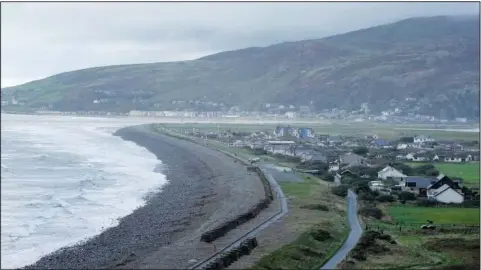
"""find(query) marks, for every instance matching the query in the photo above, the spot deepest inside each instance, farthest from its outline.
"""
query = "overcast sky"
(43, 39)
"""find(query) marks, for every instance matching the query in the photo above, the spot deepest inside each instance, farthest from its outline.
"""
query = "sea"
(66, 179)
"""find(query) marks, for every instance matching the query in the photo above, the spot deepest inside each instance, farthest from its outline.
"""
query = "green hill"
(434, 61)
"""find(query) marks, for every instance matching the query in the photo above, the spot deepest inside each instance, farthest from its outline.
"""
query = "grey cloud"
(41, 39)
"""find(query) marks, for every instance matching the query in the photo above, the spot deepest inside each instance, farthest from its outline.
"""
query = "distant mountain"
(420, 65)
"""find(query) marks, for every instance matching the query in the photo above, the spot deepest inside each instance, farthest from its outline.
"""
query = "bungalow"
(458, 158)
(445, 190)
(417, 157)
(416, 184)
(390, 173)
(423, 139)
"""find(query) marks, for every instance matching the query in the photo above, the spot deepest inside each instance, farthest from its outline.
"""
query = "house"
(352, 159)
(279, 147)
(333, 167)
(445, 180)
(423, 139)
(339, 175)
(445, 190)
(256, 145)
(282, 131)
(457, 158)
(390, 173)
(313, 156)
(238, 143)
(401, 146)
(417, 157)
(334, 139)
(416, 184)
(380, 143)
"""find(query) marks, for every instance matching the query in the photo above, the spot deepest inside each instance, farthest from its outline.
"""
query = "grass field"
(468, 171)
(440, 215)
(385, 131)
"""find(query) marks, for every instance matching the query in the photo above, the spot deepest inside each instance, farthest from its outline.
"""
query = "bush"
(362, 186)
(427, 170)
(385, 198)
(340, 190)
(406, 196)
(362, 150)
(366, 196)
(328, 177)
(425, 202)
(371, 212)
(320, 234)
(315, 207)
(407, 139)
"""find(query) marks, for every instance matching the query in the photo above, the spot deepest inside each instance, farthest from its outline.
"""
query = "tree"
(406, 196)
(361, 150)
(407, 139)
(340, 190)
(427, 169)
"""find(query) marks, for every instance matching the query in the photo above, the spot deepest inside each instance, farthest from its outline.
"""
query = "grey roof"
(421, 182)
(351, 158)
(319, 157)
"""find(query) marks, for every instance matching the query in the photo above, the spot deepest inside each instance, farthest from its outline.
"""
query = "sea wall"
(230, 257)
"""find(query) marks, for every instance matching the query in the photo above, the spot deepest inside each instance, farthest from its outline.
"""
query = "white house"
(333, 167)
(390, 173)
(402, 146)
(453, 159)
(422, 139)
(445, 194)
(410, 156)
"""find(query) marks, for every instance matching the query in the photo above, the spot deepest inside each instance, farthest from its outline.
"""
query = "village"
(420, 165)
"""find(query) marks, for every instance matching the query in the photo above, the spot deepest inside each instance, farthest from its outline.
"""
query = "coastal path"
(279, 196)
(354, 234)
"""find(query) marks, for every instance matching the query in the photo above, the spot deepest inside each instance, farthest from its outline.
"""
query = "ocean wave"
(64, 185)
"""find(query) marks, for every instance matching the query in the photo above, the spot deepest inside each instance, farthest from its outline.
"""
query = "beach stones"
(228, 226)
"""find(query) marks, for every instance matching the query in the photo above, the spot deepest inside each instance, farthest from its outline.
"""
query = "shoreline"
(204, 189)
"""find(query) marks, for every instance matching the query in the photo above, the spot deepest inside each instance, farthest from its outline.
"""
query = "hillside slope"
(433, 61)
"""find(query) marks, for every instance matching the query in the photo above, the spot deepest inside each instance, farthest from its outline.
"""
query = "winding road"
(351, 241)
(354, 234)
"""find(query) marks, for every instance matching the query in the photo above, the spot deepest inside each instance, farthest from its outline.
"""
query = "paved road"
(354, 235)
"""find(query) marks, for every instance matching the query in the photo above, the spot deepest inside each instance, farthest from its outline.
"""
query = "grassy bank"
(407, 246)
(320, 219)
